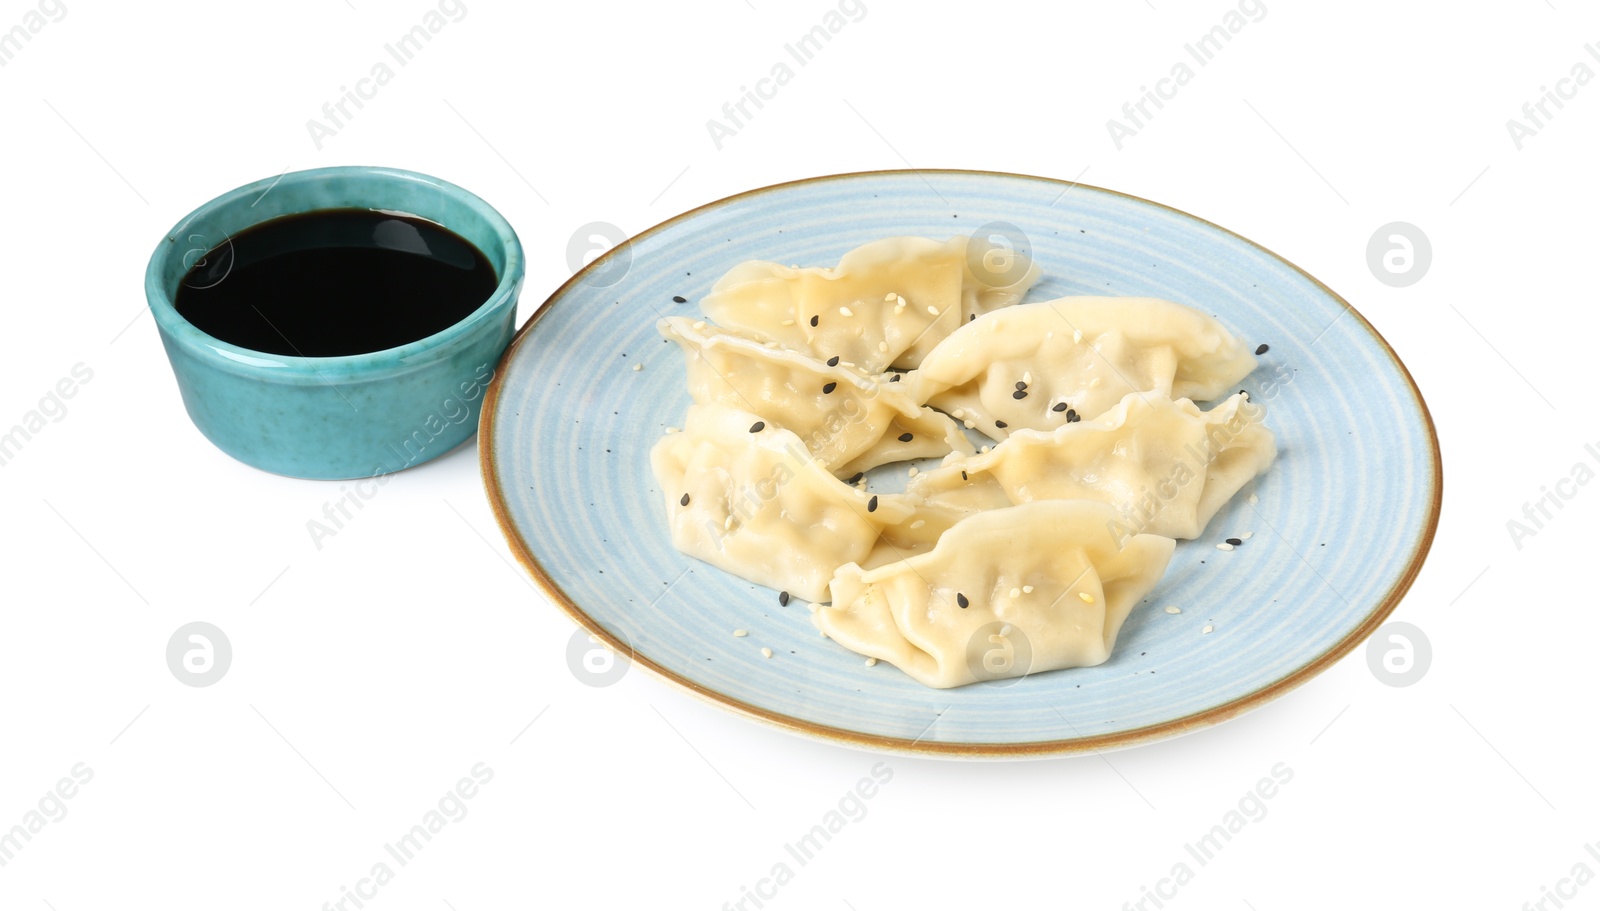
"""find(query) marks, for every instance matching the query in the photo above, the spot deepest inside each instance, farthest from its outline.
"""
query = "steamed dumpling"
(886, 304)
(848, 420)
(1077, 356)
(747, 497)
(1005, 593)
(1166, 466)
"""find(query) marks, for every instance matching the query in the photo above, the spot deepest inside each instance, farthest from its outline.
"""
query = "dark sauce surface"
(335, 282)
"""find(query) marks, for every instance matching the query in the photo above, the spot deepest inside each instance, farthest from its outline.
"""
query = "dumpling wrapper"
(854, 428)
(761, 507)
(1166, 466)
(1086, 352)
(1083, 585)
(859, 317)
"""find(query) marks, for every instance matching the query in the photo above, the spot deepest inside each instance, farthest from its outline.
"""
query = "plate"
(1340, 524)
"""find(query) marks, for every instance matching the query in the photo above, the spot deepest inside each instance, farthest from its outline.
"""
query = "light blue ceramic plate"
(1341, 523)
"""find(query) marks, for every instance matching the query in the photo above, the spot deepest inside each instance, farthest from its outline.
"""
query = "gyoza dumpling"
(848, 420)
(1036, 366)
(746, 496)
(1005, 593)
(1166, 466)
(886, 304)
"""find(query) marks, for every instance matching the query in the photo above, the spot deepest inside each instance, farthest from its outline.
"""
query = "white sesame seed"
(983, 449)
(1085, 597)
(1247, 536)
(968, 424)
(1254, 500)
(1173, 609)
(1027, 589)
(673, 430)
(1224, 546)
(700, 324)
(741, 633)
(932, 310)
(822, 633)
(1077, 336)
(1027, 377)
(871, 662)
(1208, 628)
(918, 524)
(994, 325)
(912, 472)
(1094, 383)
(637, 367)
(766, 653)
(788, 322)
(890, 296)
(958, 413)
(727, 523)
(1016, 593)
(883, 347)
(846, 311)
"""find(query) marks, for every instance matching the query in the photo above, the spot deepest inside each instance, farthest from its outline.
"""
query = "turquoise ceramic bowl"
(352, 416)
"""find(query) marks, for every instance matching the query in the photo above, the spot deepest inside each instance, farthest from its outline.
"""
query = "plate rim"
(1028, 749)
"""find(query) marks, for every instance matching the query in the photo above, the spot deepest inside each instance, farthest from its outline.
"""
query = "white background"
(372, 673)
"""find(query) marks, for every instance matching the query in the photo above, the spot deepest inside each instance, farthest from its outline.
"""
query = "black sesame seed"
(678, 299)
(833, 361)
(963, 476)
(856, 477)
(905, 437)
(962, 600)
(684, 500)
(872, 504)
(1001, 424)
(1060, 406)
(1235, 542)
(827, 388)
(783, 599)
(971, 317)
(895, 378)
(758, 426)
(1020, 394)
(1261, 349)
(1021, 385)
(1072, 417)
(813, 320)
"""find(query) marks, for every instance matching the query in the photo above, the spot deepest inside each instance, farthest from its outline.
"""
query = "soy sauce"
(335, 282)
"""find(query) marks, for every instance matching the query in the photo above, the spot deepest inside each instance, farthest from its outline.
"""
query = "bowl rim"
(1022, 750)
(369, 364)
